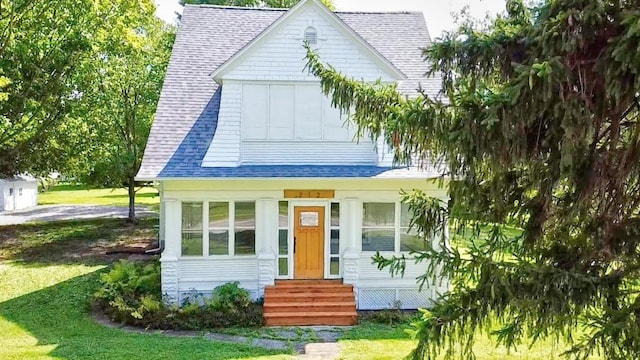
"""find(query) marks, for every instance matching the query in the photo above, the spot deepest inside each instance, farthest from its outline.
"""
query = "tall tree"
(41, 44)
(122, 86)
(539, 130)
(254, 3)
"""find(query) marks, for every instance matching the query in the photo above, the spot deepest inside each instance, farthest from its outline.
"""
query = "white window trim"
(205, 230)
(289, 253)
(340, 240)
(398, 229)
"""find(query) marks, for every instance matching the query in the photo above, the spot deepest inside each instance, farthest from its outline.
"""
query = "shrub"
(131, 294)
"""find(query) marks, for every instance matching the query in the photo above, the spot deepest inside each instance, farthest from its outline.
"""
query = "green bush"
(131, 294)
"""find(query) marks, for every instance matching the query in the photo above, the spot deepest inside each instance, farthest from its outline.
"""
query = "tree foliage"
(41, 44)
(538, 128)
(122, 83)
(254, 3)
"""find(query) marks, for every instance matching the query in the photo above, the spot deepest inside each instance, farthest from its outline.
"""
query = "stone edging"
(319, 350)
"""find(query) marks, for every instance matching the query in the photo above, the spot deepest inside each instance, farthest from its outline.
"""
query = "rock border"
(327, 348)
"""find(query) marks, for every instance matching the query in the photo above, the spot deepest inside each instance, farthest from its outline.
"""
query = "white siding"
(280, 55)
(24, 195)
(375, 289)
(294, 123)
(309, 152)
(225, 145)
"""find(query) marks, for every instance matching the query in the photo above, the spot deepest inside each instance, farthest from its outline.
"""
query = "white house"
(261, 179)
(18, 192)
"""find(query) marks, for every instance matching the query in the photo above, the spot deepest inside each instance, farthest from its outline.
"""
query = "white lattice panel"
(414, 299)
(376, 299)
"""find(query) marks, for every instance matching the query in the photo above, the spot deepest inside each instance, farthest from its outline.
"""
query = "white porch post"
(351, 255)
(170, 269)
(266, 231)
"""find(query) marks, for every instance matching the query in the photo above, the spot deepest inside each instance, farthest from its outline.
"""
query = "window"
(218, 228)
(334, 251)
(311, 35)
(20, 192)
(409, 240)
(283, 238)
(231, 228)
(245, 228)
(378, 227)
(385, 227)
(10, 191)
(191, 228)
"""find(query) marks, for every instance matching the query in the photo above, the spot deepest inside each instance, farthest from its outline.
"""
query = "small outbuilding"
(18, 192)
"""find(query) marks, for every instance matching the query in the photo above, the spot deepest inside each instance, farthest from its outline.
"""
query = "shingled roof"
(187, 113)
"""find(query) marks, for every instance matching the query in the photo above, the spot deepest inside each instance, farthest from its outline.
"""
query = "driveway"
(69, 212)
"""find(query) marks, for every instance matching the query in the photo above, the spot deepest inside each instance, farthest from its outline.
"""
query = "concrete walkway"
(69, 212)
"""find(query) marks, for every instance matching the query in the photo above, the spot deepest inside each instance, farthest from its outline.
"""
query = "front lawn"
(49, 271)
(80, 194)
(44, 297)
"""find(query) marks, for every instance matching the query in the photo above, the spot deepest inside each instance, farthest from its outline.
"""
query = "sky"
(437, 13)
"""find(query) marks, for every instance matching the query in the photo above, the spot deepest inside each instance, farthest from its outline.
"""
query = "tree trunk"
(132, 200)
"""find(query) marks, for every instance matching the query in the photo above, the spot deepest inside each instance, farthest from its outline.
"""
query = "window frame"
(206, 229)
(329, 256)
(398, 229)
(289, 254)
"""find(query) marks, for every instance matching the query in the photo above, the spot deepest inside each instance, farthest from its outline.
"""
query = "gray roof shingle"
(209, 35)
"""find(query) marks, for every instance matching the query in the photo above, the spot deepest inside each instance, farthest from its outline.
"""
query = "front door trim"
(327, 233)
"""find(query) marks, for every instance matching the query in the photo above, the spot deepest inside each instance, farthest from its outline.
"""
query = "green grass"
(80, 194)
(44, 297)
(49, 271)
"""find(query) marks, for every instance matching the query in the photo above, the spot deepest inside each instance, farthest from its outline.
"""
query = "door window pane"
(283, 242)
(378, 239)
(245, 243)
(219, 242)
(378, 214)
(335, 214)
(335, 242)
(334, 266)
(283, 214)
(283, 266)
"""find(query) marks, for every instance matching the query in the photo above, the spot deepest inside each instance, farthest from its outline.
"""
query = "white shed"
(18, 192)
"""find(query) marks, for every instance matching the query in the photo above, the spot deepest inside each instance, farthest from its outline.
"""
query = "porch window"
(230, 229)
(385, 227)
(378, 227)
(218, 228)
(245, 228)
(334, 260)
(409, 240)
(283, 238)
(191, 228)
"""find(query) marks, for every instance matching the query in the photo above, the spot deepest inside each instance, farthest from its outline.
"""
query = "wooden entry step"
(309, 302)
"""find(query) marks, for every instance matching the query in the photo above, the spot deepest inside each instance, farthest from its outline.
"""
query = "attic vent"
(311, 36)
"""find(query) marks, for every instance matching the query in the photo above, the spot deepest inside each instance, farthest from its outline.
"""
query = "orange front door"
(309, 242)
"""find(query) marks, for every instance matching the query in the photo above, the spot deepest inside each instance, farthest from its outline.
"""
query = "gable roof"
(386, 64)
(210, 35)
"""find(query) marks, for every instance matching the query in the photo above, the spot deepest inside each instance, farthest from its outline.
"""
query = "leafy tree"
(254, 3)
(122, 86)
(41, 44)
(538, 128)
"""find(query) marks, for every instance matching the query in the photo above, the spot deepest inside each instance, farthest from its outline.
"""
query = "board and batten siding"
(294, 123)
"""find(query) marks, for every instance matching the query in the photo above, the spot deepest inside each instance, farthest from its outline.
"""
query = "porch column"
(266, 241)
(353, 237)
(170, 269)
